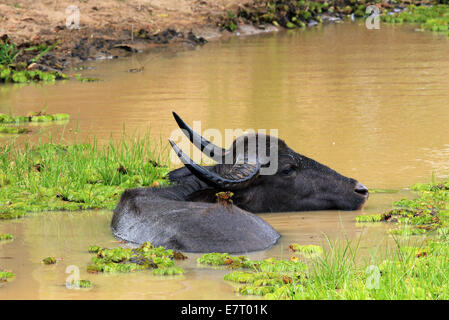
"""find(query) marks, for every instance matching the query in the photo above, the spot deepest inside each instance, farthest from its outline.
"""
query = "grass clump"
(160, 260)
(6, 236)
(48, 176)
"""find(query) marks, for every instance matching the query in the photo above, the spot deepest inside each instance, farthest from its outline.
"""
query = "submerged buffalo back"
(153, 215)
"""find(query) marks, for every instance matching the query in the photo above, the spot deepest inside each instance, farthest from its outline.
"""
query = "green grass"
(404, 272)
(48, 176)
(433, 18)
(8, 53)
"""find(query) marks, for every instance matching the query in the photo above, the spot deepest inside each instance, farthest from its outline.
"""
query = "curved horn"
(213, 151)
(212, 178)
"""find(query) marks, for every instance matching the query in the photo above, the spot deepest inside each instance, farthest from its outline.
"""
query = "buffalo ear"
(204, 195)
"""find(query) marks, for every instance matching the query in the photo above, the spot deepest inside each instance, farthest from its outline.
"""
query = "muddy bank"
(105, 29)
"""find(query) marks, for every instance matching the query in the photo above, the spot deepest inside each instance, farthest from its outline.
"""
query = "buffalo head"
(299, 183)
(189, 216)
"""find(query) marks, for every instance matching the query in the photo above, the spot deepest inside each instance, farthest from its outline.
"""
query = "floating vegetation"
(6, 236)
(407, 231)
(264, 277)
(14, 130)
(129, 260)
(85, 79)
(83, 284)
(306, 249)
(49, 260)
(383, 191)
(168, 271)
(20, 75)
(33, 117)
(433, 18)
(223, 259)
(6, 275)
(370, 218)
(49, 177)
(426, 213)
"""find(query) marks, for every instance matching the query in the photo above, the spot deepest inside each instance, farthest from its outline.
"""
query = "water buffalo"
(190, 216)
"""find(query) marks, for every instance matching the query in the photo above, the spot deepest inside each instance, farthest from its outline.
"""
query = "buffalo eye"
(288, 171)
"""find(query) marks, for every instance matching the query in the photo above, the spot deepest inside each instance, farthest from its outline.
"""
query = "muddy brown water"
(372, 104)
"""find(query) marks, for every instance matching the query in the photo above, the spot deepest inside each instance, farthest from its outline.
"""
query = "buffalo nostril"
(361, 189)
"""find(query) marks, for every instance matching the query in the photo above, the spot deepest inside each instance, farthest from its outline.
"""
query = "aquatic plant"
(6, 275)
(31, 117)
(14, 130)
(83, 284)
(222, 259)
(6, 236)
(307, 249)
(20, 74)
(48, 176)
(371, 190)
(49, 260)
(15, 68)
(144, 257)
(370, 218)
(85, 79)
(428, 212)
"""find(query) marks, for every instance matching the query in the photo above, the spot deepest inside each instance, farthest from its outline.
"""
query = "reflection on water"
(372, 104)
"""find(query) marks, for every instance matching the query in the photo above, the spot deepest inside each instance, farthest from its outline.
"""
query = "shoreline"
(111, 30)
